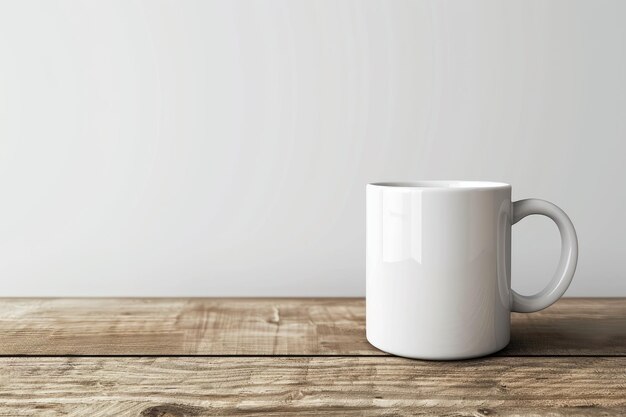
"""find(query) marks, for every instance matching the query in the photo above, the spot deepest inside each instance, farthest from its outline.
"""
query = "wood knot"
(486, 412)
(172, 410)
(275, 319)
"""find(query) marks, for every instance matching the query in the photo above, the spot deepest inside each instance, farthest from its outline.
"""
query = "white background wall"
(213, 148)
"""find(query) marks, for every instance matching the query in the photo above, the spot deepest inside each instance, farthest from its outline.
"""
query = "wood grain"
(323, 326)
(309, 386)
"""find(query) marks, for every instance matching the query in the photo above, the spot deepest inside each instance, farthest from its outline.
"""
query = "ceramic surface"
(439, 267)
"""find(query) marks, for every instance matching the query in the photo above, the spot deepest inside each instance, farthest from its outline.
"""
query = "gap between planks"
(290, 356)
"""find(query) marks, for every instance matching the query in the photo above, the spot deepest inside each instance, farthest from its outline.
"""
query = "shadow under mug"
(439, 267)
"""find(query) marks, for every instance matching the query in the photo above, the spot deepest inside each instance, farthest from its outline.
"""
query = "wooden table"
(201, 357)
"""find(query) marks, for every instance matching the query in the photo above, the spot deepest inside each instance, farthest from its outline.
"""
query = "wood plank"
(182, 326)
(309, 385)
(322, 326)
(572, 326)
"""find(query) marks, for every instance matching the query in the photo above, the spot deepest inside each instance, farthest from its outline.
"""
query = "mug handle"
(567, 264)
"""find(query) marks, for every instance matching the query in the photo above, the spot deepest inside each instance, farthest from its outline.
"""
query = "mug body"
(438, 268)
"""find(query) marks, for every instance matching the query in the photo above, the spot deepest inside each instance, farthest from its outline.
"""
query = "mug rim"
(441, 185)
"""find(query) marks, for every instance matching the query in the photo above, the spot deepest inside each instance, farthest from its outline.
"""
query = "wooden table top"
(290, 356)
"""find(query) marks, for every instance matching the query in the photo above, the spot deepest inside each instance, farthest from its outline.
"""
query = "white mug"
(439, 267)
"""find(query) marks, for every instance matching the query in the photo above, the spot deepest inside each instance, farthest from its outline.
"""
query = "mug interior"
(442, 184)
